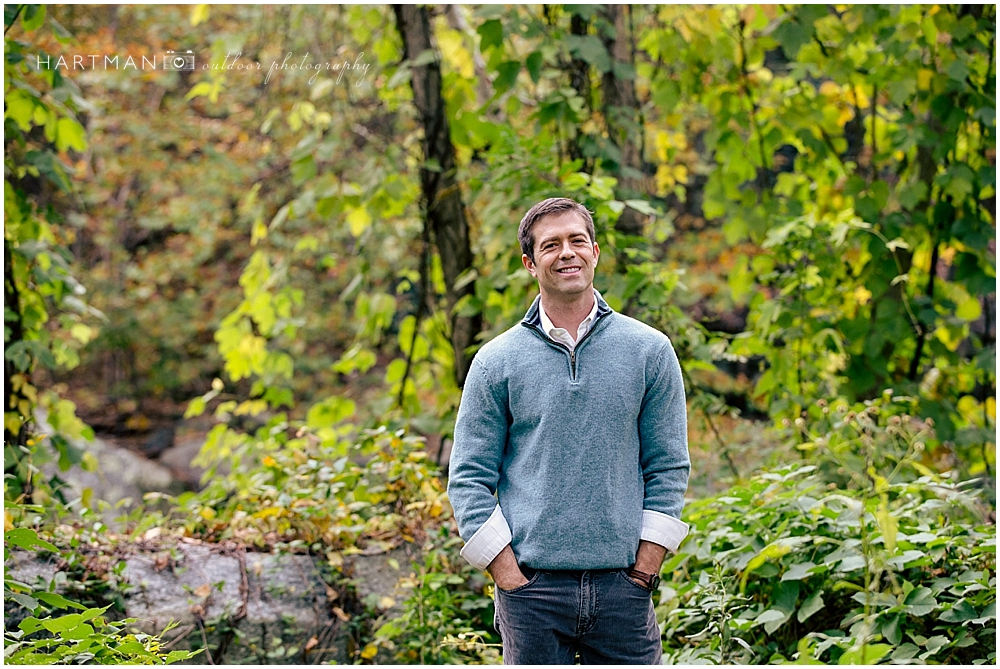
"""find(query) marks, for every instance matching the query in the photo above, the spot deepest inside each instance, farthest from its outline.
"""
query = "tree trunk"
(621, 113)
(444, 210)
(579, 76)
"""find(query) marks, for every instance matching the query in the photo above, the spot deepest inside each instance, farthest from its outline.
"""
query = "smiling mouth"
(568, 270)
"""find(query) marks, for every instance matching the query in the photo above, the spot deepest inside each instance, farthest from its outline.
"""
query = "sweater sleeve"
(663, 453)
(474, 468)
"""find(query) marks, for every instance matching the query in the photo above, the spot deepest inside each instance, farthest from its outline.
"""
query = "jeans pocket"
(635, 584)
(519, 588)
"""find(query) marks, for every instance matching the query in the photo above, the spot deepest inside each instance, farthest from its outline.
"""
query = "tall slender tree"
(444, 210)
(621, 112)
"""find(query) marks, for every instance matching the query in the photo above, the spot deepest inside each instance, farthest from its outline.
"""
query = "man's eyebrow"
(555, 238)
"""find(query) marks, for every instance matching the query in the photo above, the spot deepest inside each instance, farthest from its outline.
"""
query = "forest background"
(299, 263)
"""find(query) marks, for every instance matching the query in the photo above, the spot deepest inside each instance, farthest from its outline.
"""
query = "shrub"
(789, 567)
(84, 636)
(448, 617)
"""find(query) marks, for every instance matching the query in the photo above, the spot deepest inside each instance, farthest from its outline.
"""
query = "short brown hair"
(550, 207)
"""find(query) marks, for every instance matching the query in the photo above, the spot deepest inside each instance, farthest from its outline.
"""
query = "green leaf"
(22, 599)
(641, 206)
(741, 280)
(23, 537)
(329, 412)
(960, 612)
(30, 625)
(70, 135)
(63, 624)
(506, 75)
(957, 70)
(891, 631)
(20, 106)
(666, 96)
(920, 601)
(869, 654)
(591, 49)
(57, 600)
(810, 606)
(491, 34)
(791, 35)
(533, 63)
(33, 18)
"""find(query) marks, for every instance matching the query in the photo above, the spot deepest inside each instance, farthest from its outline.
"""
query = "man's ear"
(597, 253)
(528, 264)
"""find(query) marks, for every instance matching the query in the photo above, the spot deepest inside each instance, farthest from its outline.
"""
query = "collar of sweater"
(532, 319)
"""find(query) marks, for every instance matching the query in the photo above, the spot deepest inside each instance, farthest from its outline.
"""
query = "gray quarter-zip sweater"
(574, 446)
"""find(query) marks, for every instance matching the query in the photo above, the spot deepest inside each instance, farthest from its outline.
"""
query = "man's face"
(565, 256)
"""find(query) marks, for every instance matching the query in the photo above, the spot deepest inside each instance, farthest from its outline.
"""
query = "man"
(575, 420)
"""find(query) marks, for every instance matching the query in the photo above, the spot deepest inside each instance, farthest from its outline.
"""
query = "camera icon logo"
(175, 60)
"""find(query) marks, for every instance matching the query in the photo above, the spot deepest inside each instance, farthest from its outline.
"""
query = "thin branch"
(422, 297)
(922, 335)
(14, 20)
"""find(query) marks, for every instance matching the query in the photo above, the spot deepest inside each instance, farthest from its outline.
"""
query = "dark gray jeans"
(603, 615)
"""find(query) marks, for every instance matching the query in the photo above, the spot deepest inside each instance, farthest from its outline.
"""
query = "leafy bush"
(448, 617)
(86, 636)
(789, 567)
(310, 492)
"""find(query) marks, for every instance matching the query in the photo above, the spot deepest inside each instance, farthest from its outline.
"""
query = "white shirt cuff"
(491, 538)
(663, 530)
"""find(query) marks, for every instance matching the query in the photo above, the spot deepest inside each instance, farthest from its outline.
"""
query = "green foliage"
(309, 492)
(260, 246)
(448, 616)
(790, 568)
(868, 118)
(45, 319)
(50, 635)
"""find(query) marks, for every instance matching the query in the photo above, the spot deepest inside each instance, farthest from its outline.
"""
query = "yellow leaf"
(199, 14)
(681, 174)
(359, 219)
(386, 603)
(846, 114)
(664, 180)
(887, 523)
(991, 408)
(258, 232)
(269, 511)
(8, 521)
(208, 513)
(203, 590)
(82, 333)
(829, 88)
(370, 651)
(454, 52)
(269, 461)
(924, 78)
(773, 551)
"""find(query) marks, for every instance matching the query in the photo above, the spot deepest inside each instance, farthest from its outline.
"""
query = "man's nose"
(567, 250)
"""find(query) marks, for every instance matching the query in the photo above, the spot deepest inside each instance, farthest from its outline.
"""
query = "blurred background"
(297, 236)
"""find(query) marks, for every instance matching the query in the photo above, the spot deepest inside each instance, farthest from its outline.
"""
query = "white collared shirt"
(562, 335)
(494, 535)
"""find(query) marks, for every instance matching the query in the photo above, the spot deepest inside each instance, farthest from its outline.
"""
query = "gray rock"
(178, 459)
(249, 608)
(121, 475)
